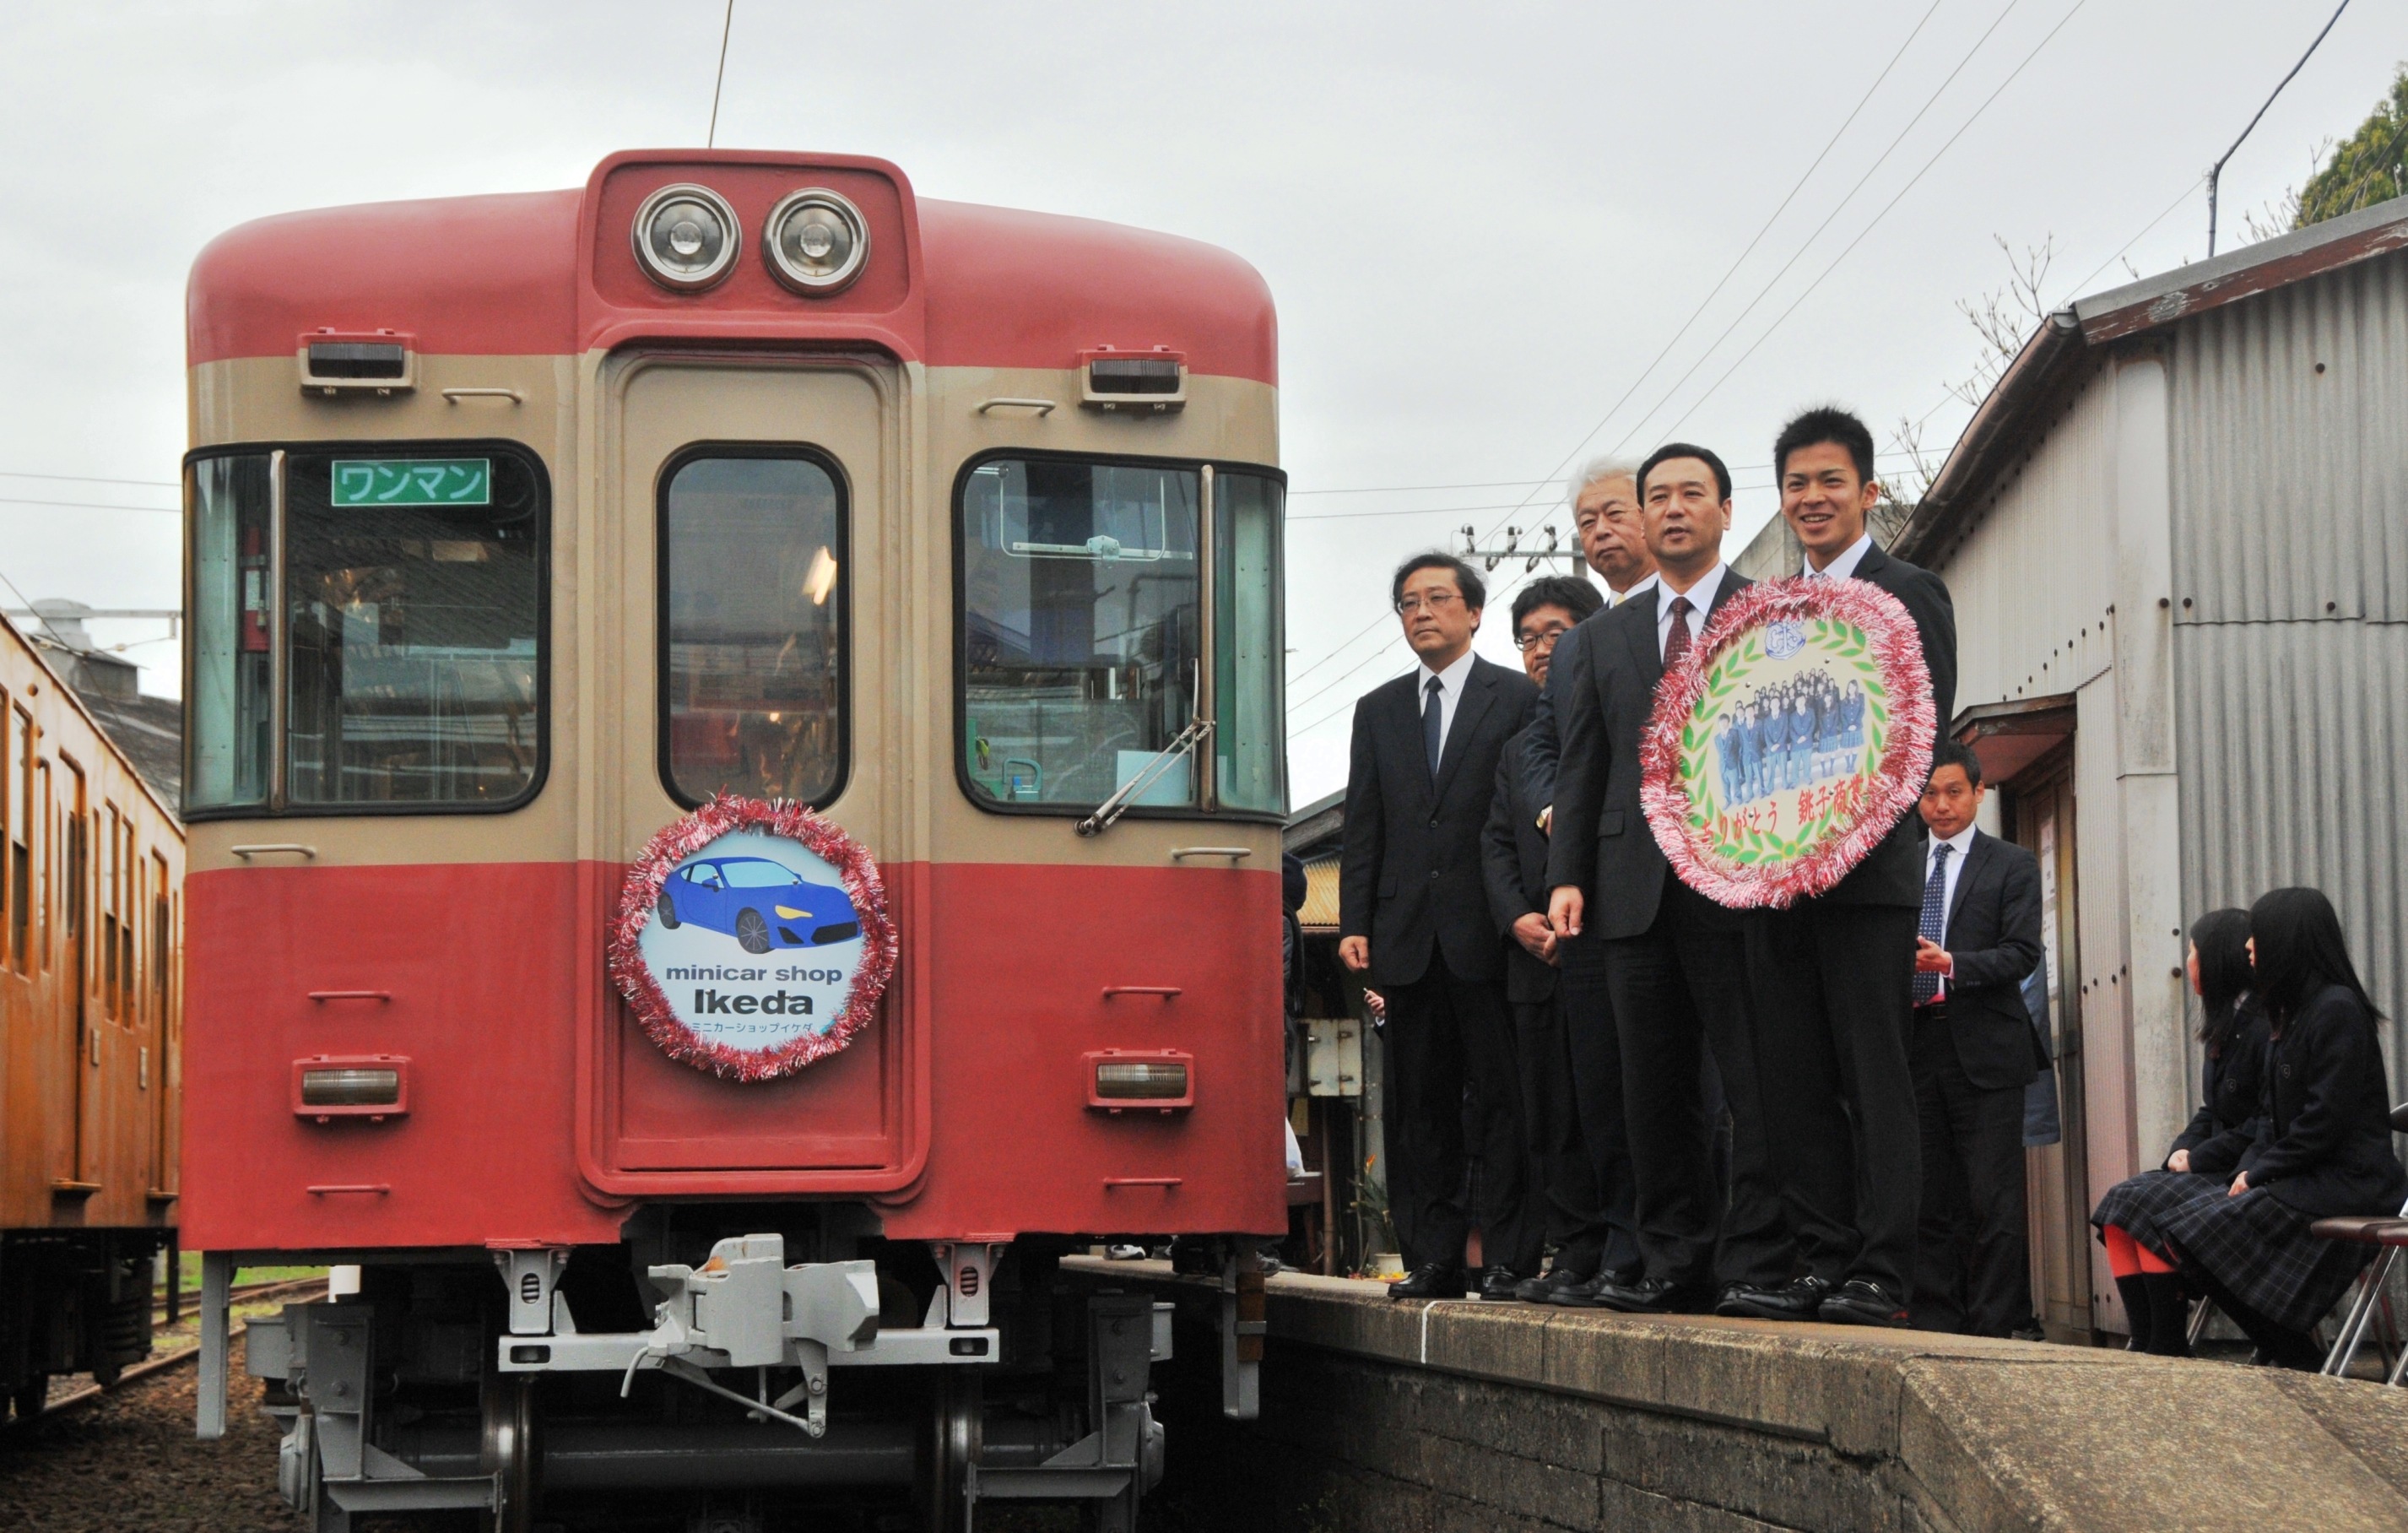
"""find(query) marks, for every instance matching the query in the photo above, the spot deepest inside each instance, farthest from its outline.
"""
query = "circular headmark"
(1788, 741)
(752, 939)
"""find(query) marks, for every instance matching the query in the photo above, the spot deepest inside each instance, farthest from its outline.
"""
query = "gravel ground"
(128, 1463)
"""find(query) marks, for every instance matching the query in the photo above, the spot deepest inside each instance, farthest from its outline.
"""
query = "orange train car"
(92, 867)
(522, 526)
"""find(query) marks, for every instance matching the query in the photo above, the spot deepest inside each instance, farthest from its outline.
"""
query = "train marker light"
(334, 362)
(330, 1086)
(1134, 382)
(686, 236)
(1159, 1079)
(817, 241)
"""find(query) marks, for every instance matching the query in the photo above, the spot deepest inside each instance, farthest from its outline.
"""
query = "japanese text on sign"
(413, 481)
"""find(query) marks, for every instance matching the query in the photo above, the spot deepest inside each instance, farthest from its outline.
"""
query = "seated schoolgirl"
(2235, 1224)
(2232, 1035)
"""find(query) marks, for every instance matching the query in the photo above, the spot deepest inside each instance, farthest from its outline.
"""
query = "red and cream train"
(520, 526)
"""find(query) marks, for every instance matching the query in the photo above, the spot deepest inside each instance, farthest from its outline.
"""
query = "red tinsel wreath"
(1905, 760)
(643, 891)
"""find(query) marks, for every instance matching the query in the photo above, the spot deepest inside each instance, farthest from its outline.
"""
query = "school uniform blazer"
(2322, 1140)
(1600, 841)
(1892, 872)
(1993, 932)
(1409, 872)
(1513, 861)
(2231, 1081)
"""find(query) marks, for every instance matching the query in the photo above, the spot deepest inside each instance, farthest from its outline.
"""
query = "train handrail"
(452, 396)
(1178, 854)
(261, 849)
(1164, 991)
(1042, 406)
(323, 995)
(325, 1188)
(1112, 1182)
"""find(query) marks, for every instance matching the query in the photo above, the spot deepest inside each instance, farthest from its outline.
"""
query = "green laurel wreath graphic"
(1839, 641)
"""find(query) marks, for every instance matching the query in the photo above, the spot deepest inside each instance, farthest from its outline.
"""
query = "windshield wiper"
(1188, 740)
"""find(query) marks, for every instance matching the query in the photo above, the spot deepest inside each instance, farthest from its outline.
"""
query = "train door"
(77, 877)
(2041, 799)
(160, 1048)
(754, 647)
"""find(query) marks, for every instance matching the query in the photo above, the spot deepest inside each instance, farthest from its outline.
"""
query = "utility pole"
(2215, 171)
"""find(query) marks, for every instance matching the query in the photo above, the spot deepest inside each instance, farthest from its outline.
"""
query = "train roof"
(551, 273)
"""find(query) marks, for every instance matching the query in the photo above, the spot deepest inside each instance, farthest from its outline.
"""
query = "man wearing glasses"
(1414, 920)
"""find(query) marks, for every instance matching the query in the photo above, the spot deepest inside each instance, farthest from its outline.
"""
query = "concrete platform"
(1459, 1413)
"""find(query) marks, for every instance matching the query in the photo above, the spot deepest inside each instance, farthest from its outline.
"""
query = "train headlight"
(371, 1086)
(351, 1087)
(817, 241)
(1160, 1081)
(686, 236)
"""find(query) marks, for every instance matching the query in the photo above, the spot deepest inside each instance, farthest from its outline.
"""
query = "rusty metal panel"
(2290, 454)
(2189, 291)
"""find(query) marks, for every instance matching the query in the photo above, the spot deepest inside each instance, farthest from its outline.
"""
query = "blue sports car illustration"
(757, 902)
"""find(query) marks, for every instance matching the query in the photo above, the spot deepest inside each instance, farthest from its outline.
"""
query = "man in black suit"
(1674, 960)
(1973, 1053)
(1513, 853)
(1830, 976)
(1414, 919)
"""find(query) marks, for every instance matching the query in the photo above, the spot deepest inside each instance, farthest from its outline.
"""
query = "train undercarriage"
(72, 1301)
(720, 1376)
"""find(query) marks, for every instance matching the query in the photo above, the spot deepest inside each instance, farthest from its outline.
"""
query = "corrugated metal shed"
(2290, 553)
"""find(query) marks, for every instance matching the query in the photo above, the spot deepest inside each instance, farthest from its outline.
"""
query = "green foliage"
(2366, 168)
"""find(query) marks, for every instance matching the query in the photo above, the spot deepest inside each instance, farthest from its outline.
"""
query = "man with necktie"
(1413, 921)
(1831, 977)
(1674, 960)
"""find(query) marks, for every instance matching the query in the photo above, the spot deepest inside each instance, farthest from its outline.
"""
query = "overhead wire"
(90, 479)
(92, 506)
(1695, 314)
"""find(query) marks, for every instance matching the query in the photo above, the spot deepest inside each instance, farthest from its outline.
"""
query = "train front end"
(523, 530)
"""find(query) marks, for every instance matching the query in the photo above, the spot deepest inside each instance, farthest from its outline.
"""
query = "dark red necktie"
(1677, 643)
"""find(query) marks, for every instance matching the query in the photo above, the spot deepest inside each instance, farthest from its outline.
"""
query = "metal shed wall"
(2291, 578)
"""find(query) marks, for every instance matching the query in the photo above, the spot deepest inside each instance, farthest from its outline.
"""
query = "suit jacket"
(2322, 1139)
(1600, 841)
(1892, 872)
(1513, 859)
(2231, 1081)
(1409, 874)
(1992, 931)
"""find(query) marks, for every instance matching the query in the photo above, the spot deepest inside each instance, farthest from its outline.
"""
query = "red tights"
(2127, 1257)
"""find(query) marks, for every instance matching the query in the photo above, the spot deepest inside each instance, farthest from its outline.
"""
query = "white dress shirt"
(1702, 599)
(1450, 692)
(1844, 566)
(1959, 844)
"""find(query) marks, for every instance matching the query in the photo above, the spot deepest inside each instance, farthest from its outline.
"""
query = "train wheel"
(510, 1451)
(667, 910)
(753, 931)
(953, 1443)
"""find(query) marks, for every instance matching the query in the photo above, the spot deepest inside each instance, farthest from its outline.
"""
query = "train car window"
(1078, 629)
(753, 598)
(414, 590)
(230, 751)
(1251, 738)
(20, 841)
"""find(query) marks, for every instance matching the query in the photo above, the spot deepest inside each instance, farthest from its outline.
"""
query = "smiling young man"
(1674, 961)
(1831, 977)
(1413, 921)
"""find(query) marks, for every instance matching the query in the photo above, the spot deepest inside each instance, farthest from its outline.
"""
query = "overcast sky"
(1481, 223)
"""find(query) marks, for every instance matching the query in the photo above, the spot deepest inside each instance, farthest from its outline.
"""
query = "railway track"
(248, 1292)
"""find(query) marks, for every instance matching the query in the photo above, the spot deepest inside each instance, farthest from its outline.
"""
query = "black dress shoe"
(1650, 1297)
(1543, 1288)
(1583, 1295)
(1431, 1280)
(1801, 1298)
(1500, 1282)
(1861, 1301)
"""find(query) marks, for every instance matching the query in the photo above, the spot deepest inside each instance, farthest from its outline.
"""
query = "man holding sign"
(1830, 976)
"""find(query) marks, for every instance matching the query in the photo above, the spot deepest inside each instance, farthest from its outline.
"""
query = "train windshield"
(397, 592)
(1082, 639)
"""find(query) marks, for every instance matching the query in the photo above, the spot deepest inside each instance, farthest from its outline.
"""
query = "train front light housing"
(817, 241)
(1140, 1080)
(686, 236)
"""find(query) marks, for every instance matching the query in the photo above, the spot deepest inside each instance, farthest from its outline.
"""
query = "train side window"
(1078, 628)
(230, 751)
(405, 585)
(753, 627)
(1251, 738)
